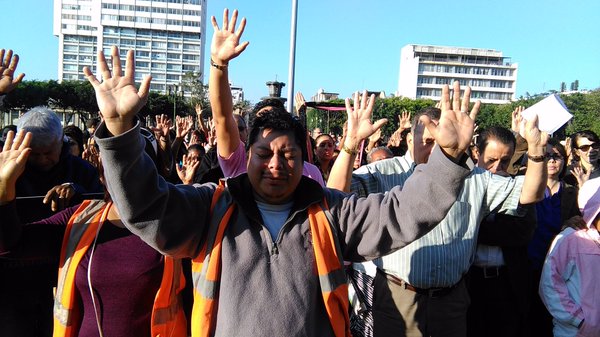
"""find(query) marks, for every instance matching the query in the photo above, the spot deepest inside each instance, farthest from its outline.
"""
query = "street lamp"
(175, 90)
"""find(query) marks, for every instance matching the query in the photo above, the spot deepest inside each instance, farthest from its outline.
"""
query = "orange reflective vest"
(168, 317)
(206, 269)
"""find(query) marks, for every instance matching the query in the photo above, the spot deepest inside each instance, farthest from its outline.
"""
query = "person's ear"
(475, 152)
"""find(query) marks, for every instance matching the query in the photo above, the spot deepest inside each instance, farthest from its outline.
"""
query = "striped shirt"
(441, 257)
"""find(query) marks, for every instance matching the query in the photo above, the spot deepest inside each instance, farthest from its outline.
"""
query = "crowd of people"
(250, 224)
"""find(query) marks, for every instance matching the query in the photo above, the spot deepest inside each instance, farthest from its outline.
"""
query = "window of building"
(141, 53)
(159, 44)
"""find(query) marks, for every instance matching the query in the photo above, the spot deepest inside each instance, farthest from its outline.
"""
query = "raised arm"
(13, 159)
(225, 46)
(359, 128)
(169, 218)
(536, 175)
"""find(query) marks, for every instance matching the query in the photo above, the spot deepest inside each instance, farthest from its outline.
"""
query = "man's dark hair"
(432, 112)
(277, 119)
(498, 133)
(76, 134)
(7, 128)
(197, 147)
(272, 102)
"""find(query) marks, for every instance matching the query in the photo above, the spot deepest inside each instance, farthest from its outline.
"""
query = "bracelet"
(352, 152)
(536, 159)
(218, 66)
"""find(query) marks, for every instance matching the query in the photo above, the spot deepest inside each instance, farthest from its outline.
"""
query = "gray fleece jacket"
(269, 286)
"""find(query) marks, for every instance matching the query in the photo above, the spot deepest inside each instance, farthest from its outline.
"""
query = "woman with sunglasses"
(585, 152)
(559, 205)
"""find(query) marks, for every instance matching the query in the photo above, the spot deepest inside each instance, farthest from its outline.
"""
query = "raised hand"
(91, 153)
(162, 127)
(359, 120)
(187, 169)
(13, 159)
(454, 131)
(581, 176)
(118, 98)
(299, 101)
(516, 119)
(404, 120)
(183, 125)
(8, 66)
(226, 41)
(533, 135)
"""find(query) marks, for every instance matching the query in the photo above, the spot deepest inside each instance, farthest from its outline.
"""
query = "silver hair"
(44, 125)
(379, 148)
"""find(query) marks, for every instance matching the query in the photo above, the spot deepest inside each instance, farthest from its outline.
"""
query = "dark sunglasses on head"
(554, 156)
(586, 147)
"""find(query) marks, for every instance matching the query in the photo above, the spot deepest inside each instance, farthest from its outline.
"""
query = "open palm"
(118, 98)
(455, 129)
(13, 157)
(359, 119)
(226, 41)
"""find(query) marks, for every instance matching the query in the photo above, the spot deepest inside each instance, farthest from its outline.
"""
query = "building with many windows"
(167, 35)
(425, 69)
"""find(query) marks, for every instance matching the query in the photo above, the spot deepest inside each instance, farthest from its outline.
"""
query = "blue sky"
(348, 45)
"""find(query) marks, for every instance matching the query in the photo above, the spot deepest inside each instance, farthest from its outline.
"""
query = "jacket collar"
(307, 193)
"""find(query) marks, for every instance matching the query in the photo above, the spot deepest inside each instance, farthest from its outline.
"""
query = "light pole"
(174, 89)
(292, 63)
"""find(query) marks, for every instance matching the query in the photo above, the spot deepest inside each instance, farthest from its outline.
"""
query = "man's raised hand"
(118, 98)
(454, 131)
(226, 41)
(359, 120)
(8, 66)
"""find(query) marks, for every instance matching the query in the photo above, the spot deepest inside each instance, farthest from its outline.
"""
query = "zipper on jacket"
(274, 250)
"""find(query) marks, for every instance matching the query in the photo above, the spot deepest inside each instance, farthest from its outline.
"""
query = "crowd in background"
(514, 253)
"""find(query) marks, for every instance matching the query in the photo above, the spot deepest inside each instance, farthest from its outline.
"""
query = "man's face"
(275, 166)
(496, 157)
(45, 156)
(420, 144)
(379, 155)
(194, 155)
(316, 133)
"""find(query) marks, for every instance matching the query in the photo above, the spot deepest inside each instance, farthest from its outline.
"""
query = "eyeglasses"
(586, 147)
(554, 156)
(241, 128)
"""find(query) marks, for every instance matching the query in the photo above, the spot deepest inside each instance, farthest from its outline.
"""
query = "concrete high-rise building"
(167, 35)
(425, 69)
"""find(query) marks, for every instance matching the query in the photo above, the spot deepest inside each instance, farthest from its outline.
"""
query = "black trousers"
(494, 310)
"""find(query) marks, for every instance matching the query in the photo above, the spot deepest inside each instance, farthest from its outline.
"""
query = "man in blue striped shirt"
(420, 290)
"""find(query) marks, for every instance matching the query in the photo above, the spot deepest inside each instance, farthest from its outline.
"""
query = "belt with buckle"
(430, 292)
(489, 272)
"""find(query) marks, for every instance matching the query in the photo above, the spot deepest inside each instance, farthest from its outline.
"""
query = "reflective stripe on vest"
(168, 318)
(206, 268)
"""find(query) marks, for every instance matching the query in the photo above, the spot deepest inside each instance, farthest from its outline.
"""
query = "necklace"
(551, 187)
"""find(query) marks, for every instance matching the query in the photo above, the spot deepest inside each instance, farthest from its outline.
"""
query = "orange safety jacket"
(168, 317)
(206, 270)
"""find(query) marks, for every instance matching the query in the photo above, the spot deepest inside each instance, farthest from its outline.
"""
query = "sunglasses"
(586, 148)
(554, 156)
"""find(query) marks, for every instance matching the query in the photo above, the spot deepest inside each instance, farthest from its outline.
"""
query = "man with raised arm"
(420, 289)
(268, 247)
(231, 153)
